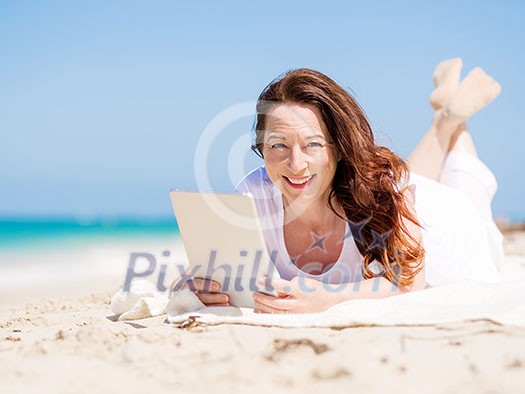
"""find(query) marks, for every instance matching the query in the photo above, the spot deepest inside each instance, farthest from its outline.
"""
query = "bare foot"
(475, 91)
(446, 80)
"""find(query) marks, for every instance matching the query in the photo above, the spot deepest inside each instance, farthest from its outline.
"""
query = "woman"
(343, 218)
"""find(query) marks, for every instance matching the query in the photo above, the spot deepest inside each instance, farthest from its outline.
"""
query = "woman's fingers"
(284, 287)
(273, 304)
(207, 291)
(204, 285)
(263, 308)
(213, 298)
(195, 284)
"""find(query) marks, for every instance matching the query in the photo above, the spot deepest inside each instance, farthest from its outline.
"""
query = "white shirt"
(269, 203)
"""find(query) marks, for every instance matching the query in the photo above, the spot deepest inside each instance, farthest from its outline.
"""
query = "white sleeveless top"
(269, 202)
(457, 241)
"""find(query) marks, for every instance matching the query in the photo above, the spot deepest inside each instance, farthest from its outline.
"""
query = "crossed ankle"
(447, 113)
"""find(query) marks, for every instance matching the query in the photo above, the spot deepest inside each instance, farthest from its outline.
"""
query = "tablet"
(224, 242)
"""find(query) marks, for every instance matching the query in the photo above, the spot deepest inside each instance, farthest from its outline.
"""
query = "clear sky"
(102, 103)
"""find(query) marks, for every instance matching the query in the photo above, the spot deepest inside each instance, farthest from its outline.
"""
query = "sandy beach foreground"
(73, 345)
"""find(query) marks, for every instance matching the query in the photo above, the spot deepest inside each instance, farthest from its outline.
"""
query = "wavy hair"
(369, 181)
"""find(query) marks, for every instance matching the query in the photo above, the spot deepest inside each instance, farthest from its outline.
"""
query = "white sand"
(69, 345)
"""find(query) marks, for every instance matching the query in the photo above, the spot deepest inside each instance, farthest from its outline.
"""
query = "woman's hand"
(299, 295)
(208, 292)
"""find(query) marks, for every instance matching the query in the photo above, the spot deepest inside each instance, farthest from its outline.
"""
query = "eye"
(278, 145)
(314, 145)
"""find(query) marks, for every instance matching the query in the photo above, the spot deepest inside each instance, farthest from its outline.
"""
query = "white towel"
(141, 301)
(144, 300)
(503, 303)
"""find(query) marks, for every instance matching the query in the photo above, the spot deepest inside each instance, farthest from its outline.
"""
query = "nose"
(298, 160)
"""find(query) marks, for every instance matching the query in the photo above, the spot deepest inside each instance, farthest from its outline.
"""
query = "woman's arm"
(305, 295)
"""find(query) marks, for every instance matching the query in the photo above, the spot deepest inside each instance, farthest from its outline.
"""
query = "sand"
(75, 344)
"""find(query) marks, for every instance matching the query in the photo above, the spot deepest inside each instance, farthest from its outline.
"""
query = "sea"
(67, 256)
(29, 233)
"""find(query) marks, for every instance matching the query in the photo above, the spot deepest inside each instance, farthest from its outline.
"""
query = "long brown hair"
(369, 181)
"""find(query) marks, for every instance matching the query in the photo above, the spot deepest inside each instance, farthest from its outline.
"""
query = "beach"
(73, 343)
(374, 138)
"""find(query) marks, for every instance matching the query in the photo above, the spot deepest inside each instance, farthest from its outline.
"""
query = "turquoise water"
(17, 232)
(24, 232)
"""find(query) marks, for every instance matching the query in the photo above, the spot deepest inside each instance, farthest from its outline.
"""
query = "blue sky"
(102, 103)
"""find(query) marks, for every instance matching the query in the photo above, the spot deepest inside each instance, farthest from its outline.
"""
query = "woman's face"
(299, 156)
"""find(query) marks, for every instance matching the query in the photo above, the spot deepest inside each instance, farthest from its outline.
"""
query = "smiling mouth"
(299, 183)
